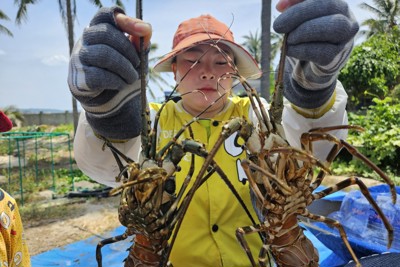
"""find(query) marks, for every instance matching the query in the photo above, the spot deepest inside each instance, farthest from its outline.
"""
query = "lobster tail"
(294, 249)
(145, 253)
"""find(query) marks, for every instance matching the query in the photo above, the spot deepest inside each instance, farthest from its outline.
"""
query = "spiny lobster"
(282, 182)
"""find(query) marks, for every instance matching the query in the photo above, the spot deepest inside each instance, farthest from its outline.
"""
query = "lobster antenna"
(277, 97)
(145, 129)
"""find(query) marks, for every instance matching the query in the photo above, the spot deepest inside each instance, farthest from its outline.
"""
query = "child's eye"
(222, 63)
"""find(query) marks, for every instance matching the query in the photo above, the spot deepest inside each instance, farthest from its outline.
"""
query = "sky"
(34, 63)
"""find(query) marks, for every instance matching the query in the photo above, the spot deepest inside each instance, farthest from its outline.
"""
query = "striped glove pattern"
(320, 40)
(104, 77)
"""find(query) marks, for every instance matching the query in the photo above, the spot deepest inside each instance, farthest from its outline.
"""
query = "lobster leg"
(308, 138)
(241, 232)
(337, 225)
(106, 242)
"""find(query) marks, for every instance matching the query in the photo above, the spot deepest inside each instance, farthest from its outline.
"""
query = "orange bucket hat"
(205, 28)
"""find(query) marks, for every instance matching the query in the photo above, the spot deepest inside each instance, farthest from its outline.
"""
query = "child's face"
(202, 84)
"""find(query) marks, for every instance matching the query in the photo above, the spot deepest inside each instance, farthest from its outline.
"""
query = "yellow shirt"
(13, 248)
(207, 234)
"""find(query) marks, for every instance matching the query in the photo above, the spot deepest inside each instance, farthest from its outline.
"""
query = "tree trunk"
(70, 25)
(265, 47)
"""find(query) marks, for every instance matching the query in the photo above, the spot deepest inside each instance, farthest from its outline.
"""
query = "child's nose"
(207, 75)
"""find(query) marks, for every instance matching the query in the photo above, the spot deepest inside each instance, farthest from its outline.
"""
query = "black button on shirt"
(214, 228)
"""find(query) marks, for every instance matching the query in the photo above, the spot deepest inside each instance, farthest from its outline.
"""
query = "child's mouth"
(206, 89)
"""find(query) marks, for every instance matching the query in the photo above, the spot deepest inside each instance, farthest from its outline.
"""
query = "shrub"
(380, 141)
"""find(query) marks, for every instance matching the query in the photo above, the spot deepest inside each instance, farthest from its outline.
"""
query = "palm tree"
(387, 15)
(276, 44)
(253, 44)
(3, 29)
(67, 10)
(155, 77)
(265, 47)
(269, 46)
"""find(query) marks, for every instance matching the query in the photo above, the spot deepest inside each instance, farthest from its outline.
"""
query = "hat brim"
(247, 66)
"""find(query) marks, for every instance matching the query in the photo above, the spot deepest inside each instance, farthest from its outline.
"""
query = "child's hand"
(104, 72)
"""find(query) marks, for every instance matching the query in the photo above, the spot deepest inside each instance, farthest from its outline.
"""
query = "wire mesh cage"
(34, 161)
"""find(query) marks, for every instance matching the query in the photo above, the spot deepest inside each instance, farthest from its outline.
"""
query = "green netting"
(35, 161)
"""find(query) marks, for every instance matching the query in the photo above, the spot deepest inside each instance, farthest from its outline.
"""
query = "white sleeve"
(100, 165)
(295, 124)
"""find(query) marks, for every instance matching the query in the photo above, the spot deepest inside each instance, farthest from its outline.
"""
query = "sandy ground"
(92, 217)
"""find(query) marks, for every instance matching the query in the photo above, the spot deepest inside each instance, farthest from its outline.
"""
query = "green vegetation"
(372, 80)
(380, 141)
(373, 70)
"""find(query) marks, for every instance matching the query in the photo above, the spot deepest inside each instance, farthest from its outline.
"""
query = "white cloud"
(55, 60)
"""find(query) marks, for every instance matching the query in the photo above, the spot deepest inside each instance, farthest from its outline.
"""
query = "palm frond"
(96, 3)
(3, 16)
(386, 13)
(22, 12)
(4, 30)
(120, 4)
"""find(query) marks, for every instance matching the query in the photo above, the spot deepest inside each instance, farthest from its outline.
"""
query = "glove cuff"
(307, 98)
(316, 113)
(305, 88)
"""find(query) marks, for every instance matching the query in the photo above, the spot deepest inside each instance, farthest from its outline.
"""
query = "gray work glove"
(320, 40)
(104, 77)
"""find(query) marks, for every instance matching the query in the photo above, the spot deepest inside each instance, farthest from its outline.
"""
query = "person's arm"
(96, 160)
(104, 73)
(295, 124)
(320, 37)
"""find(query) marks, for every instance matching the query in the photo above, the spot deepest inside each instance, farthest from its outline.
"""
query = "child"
(13, 248)
(104, 78)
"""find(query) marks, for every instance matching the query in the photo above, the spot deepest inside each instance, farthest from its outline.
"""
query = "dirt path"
(92, 217)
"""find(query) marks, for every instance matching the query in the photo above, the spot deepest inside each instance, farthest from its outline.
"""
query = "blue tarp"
(362, 247)
(83, 253)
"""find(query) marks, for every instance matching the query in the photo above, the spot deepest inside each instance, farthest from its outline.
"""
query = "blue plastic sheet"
(331, 239)
(83, 253)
